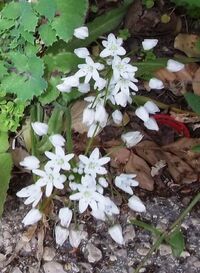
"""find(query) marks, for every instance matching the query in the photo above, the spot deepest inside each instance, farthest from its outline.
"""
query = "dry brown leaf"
(196, 82)
(179, 169)
(185, 117)
(119, 155)
(138, 166)
(18, 154)
(187, 44)
(77, 116)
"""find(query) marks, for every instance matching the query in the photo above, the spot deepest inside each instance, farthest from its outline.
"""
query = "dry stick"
(175, 225)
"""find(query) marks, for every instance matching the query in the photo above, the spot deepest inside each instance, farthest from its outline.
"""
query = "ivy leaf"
(194, 101)
(27, 80)
(46, 8)
(6, 167)
(71, 16)
(47, 34)
(28, 18)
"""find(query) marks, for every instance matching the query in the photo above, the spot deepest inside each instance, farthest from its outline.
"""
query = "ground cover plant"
(80, 112)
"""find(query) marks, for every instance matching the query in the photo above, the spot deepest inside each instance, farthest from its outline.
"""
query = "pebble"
(197, 264)
(49, 254)
(185, 254)
(129, 234)
(94, 254)
(165, 250)
(16, 270)
(53, 267)
(113, 258)
(142, 251)
(2, 257)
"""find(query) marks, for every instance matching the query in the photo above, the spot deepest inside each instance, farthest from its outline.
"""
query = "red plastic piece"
(178, 126)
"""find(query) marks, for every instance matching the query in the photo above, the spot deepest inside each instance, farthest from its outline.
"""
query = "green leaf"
(146, 226)
(4, 142)
(196, 149)
(5, 173)
(47, 34)
(51, 94)
(101, 25)
(27, 80)
(11, 11)
(194, 101)
(177, 242)
(3, 70)
(28, 18)
(6, 24)
(71, 15)
(46, 8)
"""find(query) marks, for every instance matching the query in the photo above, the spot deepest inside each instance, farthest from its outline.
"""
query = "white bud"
(32, 217)
(149, 43)
(116, 234)
(132, 138)
(61, 235)
(136, 204)
(39, 128)
(142, 113)
(174, 66)
(88, 116)
(30, 163)
(82, 52)
(156, 84)
(57, 140)
(151, 107)
(65, 216)
(117, 117)
(81, 33)
(151, 124)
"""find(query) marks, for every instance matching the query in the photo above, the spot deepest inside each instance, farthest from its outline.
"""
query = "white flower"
(30, 162)
(93, 164)
(156, 84)
(33, 194)
(94, 129)
(101, 116)
(151, 124)
(151, 107)
(109, 207)
(50, 178)
(100, 84)
(116, 234)
(59, 160)
(102, 181)
(87, 195)
(76, 236)
(131, 138)
(65, 216)
(88, 116)
(136, 204)
(39, 128)
(82, 52)
(84, 88)
(142, 113)
(149, 43)
(57, 140)
(117, 117)
(81, 33)
(32, 217)
(174, 66)
(61, 235)
(125, 182)
(68, 83)
(112, 46)
(122, 68)
(89, 70)
(122, 99)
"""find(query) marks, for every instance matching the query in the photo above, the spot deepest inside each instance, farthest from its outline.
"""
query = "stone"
(94, 254)
(129, 234)
(52, 267)
(16, 270)
(49, 254)
(165, 250)
(142, 251)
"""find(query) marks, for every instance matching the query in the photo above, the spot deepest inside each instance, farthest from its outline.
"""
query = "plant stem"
(174, 226)
(69, 144)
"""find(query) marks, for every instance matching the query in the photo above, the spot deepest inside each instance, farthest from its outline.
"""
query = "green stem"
(174, 226)
(69, 144)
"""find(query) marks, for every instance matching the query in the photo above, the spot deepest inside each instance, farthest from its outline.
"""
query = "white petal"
(151, 107)
(30, 162)
(174, 66)
(65, 216)
(142, 113)
(151, 124)
(132, 138)
(149, 43)
(116, 234)
(156, 84)
(32, 217)
(136, 204)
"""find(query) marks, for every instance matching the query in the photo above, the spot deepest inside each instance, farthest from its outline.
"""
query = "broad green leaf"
(4, 142)
(101, 25)
(5, 173)
(194, 101)
(51, 93)
(6, 24)
(46, 8)
(177, 242)
(28, 36)
(146, 226)
(29, 82)
(3, 70)
(47, 34)
(71, 15)
(28, 19)
(11, 11)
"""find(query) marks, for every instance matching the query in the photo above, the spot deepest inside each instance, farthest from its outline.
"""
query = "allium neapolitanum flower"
(113, 47)
(33, 193)
(125, 182)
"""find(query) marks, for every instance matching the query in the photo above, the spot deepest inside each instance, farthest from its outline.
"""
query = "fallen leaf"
(187, 43)
(138, 166)
(77, 116)
(196, 82)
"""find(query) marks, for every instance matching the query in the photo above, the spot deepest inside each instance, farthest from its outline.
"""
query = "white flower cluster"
(112, 78)
(85, 180)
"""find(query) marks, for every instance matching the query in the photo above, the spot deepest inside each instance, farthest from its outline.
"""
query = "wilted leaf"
(196, 82)
(77, 116)
(187, 43)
